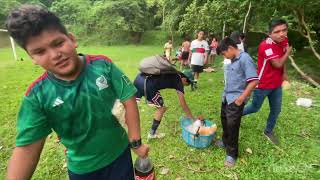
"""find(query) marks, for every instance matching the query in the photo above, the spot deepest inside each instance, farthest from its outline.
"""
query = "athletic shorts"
(197, 68)
(153, 98)
(185, 55)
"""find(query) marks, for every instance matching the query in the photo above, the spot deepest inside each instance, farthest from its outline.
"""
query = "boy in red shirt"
(272, 55)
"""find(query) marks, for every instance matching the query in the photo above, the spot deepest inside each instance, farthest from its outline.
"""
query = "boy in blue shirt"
(240, 79)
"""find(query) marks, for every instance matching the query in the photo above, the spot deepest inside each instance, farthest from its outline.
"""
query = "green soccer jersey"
(79, 112)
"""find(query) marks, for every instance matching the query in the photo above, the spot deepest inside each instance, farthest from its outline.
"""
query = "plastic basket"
(198, 141)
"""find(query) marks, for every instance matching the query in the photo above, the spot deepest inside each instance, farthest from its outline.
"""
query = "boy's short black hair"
(31, 20)
(235, 36)
(224, 45)
(276, 22)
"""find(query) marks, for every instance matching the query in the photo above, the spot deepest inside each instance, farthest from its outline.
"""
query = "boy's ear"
(73, 39)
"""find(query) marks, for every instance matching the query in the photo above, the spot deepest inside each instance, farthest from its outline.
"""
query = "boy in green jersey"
(74, 98)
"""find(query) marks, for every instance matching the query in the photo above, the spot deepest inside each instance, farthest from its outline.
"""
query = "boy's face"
(55, 52)
(230, 53)
(279, 33)
(201, 35)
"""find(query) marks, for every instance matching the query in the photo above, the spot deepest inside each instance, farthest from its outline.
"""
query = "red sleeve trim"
(97, 57)
(42, 77)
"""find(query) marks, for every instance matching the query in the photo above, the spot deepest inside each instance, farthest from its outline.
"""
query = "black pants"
(119, 169)
(230, 120)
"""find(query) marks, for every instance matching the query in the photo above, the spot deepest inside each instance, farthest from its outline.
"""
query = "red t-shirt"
(269, 76)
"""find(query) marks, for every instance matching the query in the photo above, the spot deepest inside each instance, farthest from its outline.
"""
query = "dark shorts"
(119, 169)
(153, 96)
(197, 68)
(185, 55)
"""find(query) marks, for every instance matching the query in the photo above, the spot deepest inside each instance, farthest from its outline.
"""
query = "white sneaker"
(156, 135)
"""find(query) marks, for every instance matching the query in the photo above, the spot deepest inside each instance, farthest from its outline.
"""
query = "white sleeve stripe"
(275, 56)
(252, 78)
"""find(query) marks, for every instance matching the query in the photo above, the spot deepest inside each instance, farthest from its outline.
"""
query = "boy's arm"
(278, 63)
(24, 160)
(189, 58)
(205, 57)
(251, 85)
(184, 106)
(133, 123)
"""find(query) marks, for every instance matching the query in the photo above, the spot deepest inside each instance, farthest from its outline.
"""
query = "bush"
(297, 40)
(156, 37)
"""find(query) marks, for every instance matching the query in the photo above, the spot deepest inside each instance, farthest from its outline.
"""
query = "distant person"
(74, 97)
(240, 79)
(272, 56)
(150, 86)
(235, 36)
(198, 56)
(168, 49)
(185, 48)
(243, 40)
(213, 50)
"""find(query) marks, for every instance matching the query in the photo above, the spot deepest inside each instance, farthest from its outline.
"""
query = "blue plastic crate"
(198, 141)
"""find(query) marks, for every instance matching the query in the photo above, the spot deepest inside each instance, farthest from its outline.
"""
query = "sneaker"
(192, 87)
(219, 143)
(229, 162)
(272, 138)
(156, 136)
(195, 85)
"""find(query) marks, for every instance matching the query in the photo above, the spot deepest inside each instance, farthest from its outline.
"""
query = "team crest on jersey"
(102, 82)
(269, 52)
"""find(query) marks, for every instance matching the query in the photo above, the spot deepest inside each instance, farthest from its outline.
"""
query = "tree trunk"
(304, 75)
(304, 27)
(246, 17)
(223, 29)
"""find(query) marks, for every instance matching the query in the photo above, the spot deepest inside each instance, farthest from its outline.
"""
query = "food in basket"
(207, 130)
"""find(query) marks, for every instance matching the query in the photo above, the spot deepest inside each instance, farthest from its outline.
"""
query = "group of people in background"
(75, 95)
(242, 76)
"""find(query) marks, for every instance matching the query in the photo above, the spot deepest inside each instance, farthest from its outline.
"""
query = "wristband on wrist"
(135, 144)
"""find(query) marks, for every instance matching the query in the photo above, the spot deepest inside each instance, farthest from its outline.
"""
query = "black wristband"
(135, 144)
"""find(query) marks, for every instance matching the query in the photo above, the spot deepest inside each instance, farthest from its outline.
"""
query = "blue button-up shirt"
(237, 75)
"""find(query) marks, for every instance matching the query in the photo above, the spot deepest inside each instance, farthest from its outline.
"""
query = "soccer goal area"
(7, 42)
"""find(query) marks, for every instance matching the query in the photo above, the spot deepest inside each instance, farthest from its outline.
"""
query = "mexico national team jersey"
(269, 76)
(198, 49)
(79, 112)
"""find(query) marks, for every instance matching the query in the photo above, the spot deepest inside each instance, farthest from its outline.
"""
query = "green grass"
(297, 127)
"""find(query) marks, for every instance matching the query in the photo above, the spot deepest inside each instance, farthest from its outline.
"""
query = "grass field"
(298, 128)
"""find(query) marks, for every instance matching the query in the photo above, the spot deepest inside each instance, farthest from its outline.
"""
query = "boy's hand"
(239, 101)
(288, 49)
(142, 151)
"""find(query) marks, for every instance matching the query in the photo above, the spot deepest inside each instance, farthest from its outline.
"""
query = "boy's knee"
(162, 109)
